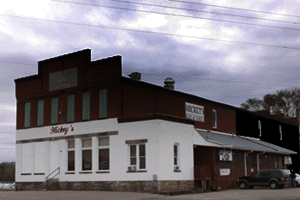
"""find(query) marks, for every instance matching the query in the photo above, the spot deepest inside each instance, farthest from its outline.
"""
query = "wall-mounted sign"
(63, 79)
(287, 160)
(194, 112)
(224, 172)
(225, 155)
(61, 129)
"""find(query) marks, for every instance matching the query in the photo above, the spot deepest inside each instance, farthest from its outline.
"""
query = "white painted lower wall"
(161, 135)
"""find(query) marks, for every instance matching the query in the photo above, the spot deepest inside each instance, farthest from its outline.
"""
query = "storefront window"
(87, 154)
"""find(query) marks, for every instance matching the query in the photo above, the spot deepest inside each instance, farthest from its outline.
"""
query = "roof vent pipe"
(169, 83)
(135, 76)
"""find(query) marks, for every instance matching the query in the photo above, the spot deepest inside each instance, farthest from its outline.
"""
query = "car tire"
(273, 185)
(243, 185)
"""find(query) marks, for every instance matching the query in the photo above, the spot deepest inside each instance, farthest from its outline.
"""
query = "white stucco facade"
(38, 152)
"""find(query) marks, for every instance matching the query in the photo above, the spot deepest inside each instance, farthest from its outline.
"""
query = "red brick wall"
(142, 99)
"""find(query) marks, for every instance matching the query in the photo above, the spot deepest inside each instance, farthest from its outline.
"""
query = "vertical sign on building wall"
(194, 112)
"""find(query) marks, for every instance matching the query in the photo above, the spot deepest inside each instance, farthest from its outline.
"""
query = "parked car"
(297, 180)
(276, 178)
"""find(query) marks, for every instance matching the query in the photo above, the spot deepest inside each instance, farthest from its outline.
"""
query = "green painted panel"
(71, 108)
(40, 113)
(27, 114)
(86, 105)
(103, 103)
(54, 110)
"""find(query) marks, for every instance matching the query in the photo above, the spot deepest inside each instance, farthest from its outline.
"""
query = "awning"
(242, 143)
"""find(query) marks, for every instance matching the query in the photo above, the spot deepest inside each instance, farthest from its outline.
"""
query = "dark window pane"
(87, 160)
(103, 159)
(248, 160)
(142, 163)
(260, 161)
(103, 103)
(71, 108)
(71, 160)
(175, 160)
(142, 150)
(54, 110)
(86, 105)
(40, 113)
(254, 160)
(27, 113)
(175, 150)
(132, 150)
(132, 161)
(266, 163)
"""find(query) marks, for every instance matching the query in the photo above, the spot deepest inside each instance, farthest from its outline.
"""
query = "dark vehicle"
(277, 178)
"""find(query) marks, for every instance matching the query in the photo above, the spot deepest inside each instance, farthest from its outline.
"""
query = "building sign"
(225, 155)
(194, 112)
(287, 160)
(224, 172)
(61, 129)
(63, 79)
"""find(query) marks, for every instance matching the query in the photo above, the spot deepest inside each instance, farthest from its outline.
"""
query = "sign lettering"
(194, 112)
(61, 129)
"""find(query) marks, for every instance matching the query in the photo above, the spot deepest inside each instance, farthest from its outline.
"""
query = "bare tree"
(253, 104)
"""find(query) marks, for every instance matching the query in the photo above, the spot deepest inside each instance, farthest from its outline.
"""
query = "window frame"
(176, 157)
(280, 132)
(40, 113)
(103, 103)
(103, 148)
(138, 156)
(86, 106)
(90, 148)
(70, 108)
(27, 114)
(259, 127)
(69, 150)
(54, 112)
(214, 119)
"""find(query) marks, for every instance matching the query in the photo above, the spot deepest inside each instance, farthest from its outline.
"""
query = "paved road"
(237, 194)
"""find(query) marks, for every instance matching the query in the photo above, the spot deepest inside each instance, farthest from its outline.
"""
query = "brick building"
(88, 127)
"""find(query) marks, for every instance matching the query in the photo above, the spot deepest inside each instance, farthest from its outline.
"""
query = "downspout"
(257, 158)
(245, 161)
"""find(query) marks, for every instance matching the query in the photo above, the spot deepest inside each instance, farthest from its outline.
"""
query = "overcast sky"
(228, 72)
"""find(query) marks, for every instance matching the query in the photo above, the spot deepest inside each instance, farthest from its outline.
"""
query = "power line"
(200, 11)
(153, 32)
(244, 9)
(16, 63)
(178, 15)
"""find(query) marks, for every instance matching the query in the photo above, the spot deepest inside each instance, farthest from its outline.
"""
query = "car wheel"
(243, 185)
(273, 185)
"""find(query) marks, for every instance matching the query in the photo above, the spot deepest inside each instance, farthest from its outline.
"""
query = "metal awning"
(242, 143)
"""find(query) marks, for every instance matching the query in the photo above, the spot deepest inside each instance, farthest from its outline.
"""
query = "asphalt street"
(235, 194)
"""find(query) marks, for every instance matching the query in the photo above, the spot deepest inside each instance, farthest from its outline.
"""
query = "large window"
(103, 103)
(54, 110)
(40, 113)
(103, 153)
(71, 155)
(214, 115)
(27, 113)
(87, 154)
(86, 105)
(71, 108)
(280, 132)
(138, 156)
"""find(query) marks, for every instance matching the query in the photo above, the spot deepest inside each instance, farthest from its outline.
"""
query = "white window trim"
(259, 127)
(178, 157)
(215, 122)
(103, 147)
(137, 156)
(86, 148)
(280, 132)
(72, 149)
